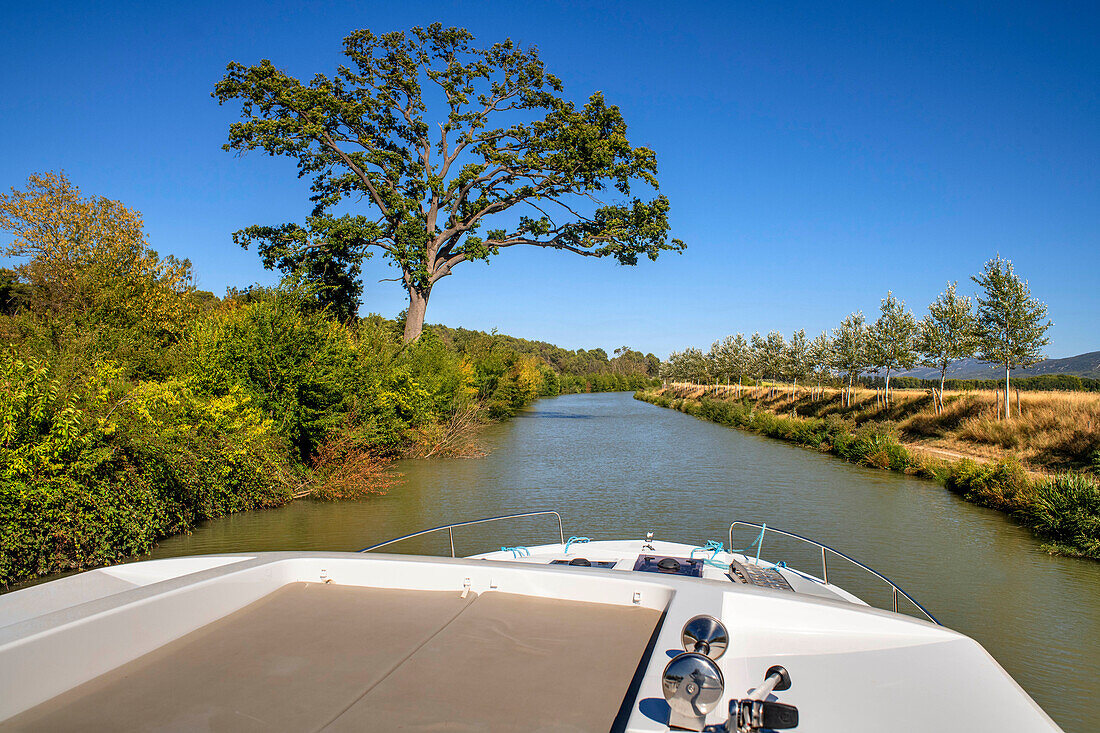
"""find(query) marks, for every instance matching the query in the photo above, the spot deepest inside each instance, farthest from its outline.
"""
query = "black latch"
(754, 715)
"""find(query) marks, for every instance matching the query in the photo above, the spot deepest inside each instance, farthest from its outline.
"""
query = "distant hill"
(1082, 365)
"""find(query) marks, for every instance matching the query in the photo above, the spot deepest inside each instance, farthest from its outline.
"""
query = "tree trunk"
(886, 392)
(414, 316)
(943, 378)
(1008, 402)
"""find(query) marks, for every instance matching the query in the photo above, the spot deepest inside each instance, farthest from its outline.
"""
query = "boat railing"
(825, 550)
(451, 529)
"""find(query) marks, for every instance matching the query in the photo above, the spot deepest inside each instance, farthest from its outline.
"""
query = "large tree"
(948, 332)
(893, 339)
(436, 137)
(1011, 328)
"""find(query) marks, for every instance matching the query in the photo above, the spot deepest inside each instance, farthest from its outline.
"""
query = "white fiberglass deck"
(301, 641)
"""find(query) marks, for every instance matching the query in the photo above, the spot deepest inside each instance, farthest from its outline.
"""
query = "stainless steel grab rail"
(825, 549)
(451, 527)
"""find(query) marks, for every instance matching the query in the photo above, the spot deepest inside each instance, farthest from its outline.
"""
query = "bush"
(1001, 485)
(101, 474)
(1066, 509)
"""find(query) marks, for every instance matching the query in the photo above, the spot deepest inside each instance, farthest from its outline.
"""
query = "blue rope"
(518, 551)
(755, 543)
(714, 548)
(571, 540)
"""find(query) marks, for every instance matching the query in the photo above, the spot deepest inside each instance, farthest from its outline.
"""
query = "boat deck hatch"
(691, 567)
(585, 563)
(332, 657)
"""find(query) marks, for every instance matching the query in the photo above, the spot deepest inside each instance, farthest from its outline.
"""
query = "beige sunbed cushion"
(310, 657)
(513, 663)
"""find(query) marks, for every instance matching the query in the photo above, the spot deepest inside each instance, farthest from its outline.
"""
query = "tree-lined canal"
(617, 467)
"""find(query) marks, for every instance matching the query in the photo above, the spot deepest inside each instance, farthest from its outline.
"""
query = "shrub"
(297, 363)
(101, 474)
(1066, 509)
(1001, 485)
(346, 467)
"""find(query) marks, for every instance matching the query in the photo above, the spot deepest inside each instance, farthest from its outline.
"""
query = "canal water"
(617, 467)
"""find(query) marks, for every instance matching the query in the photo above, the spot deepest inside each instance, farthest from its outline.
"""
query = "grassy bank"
(1063, 509)
(1050, 432)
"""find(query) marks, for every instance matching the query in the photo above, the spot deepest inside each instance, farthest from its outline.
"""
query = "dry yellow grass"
(1051, 431)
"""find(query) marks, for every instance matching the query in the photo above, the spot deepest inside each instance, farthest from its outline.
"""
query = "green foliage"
(1066, 510)
(689, 365)
(89, 283)
(872, 444)
(949, 331)
(14, 294)
(102, 472)
(290, 357)
(132, 406)
(1011, 331)
(998, 484)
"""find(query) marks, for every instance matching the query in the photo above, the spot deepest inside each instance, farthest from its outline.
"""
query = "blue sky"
(816, 155)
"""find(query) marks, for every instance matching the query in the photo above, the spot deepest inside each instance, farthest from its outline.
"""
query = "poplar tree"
(757, 361)
(717, 358)
(948, 333)
(796, 357)
(689, 365)
(774, 347)
(821, 356)
(421, 141)
(850, 350)
(893, 339)
(728, 356)
(1011, 330)
(739, 356)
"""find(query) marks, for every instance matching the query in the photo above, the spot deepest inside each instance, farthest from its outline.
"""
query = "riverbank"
(97, 468)
(1063, 509)
(114, 436)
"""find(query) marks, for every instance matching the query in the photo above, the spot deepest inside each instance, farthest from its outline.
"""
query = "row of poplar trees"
(1007, 327)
